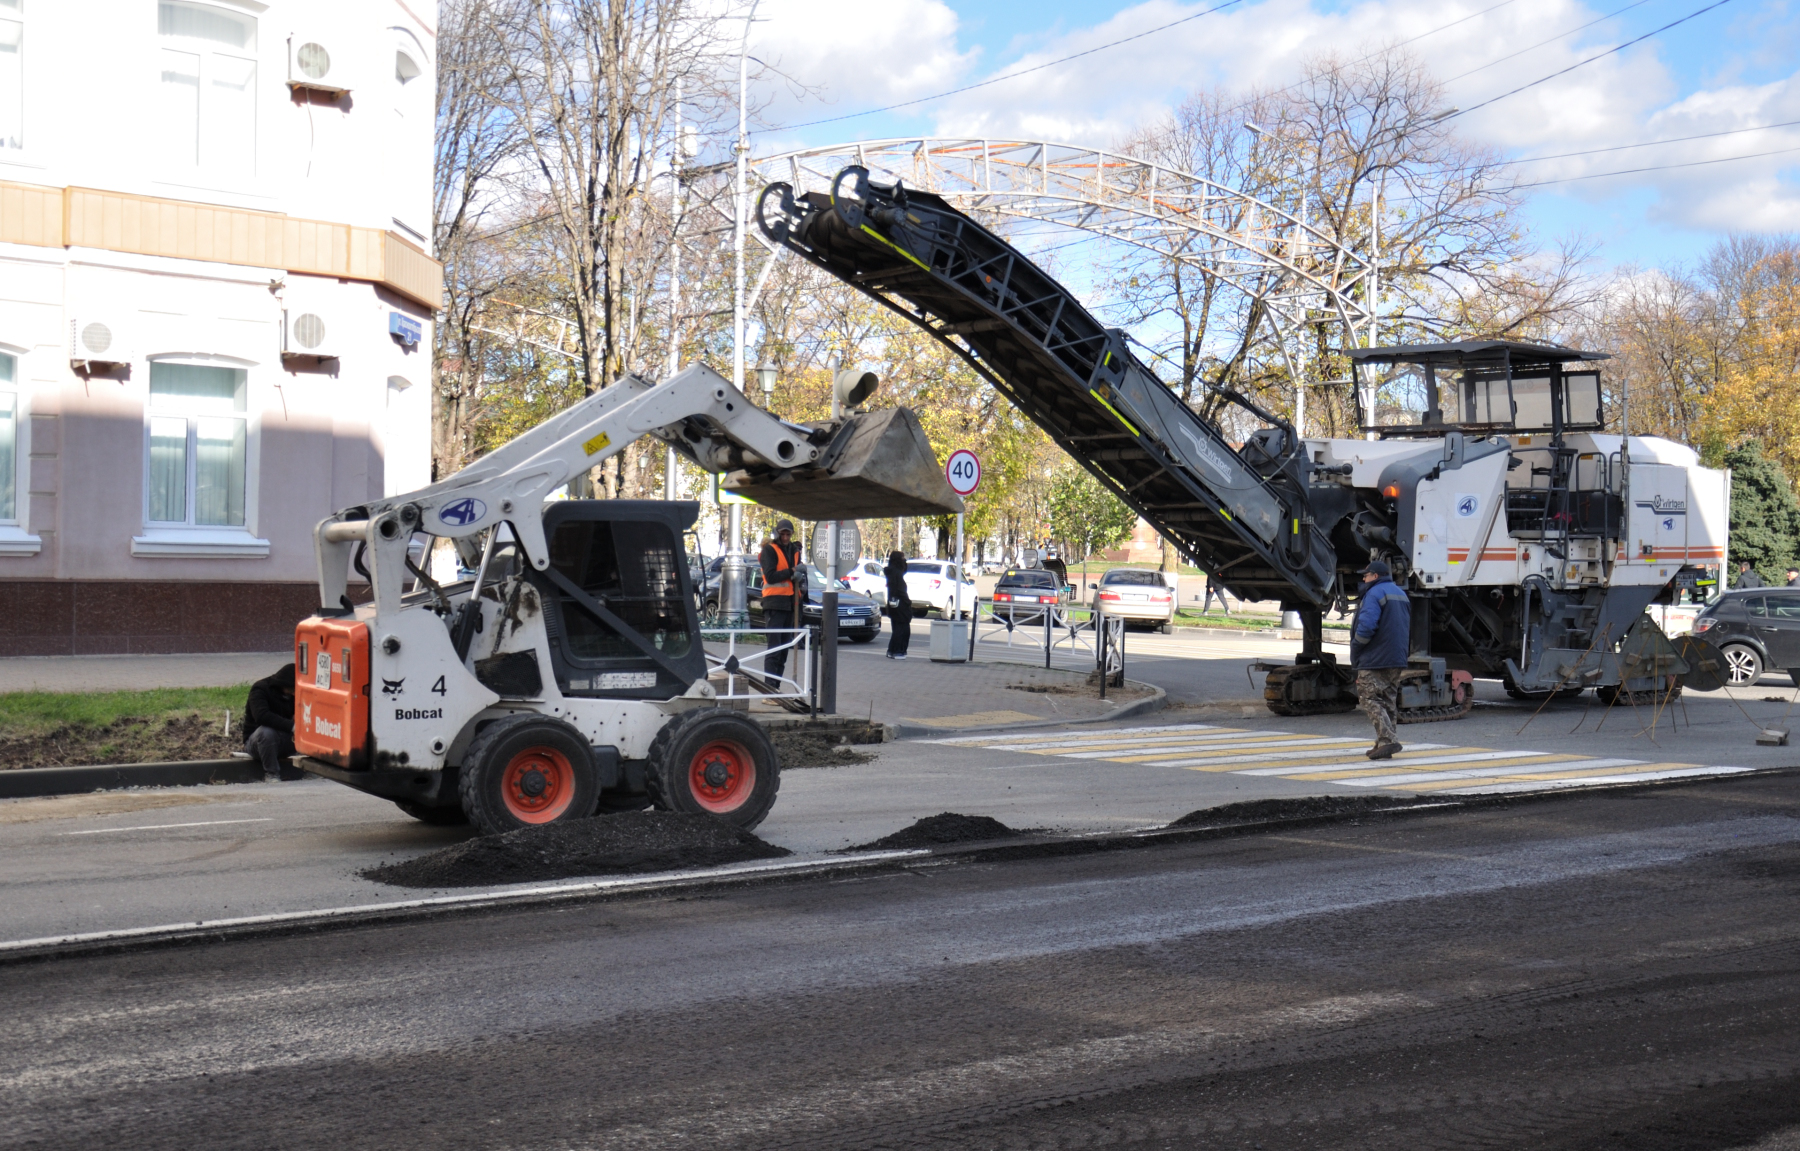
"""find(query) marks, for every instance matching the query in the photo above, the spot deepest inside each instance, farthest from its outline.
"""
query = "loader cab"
(1480, 387)
(619, 599)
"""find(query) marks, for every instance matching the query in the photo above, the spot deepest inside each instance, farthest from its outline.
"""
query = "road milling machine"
(1529, 538)
(568, 673)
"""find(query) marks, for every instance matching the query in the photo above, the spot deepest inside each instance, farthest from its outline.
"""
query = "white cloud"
(854, 58)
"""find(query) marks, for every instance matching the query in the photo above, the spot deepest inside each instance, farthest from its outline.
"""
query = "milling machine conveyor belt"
(1073, 377)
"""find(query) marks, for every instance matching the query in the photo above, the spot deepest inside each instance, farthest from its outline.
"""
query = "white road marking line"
(1467, 757)
(1592, 780)
(166, 826)
(1270, 744)
(1252, 757)
(1480, 772)
(1113, 732)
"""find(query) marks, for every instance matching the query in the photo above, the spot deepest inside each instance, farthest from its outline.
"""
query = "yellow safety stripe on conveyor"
(894, 246)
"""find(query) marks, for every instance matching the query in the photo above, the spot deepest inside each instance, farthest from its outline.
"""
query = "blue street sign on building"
(408, 329)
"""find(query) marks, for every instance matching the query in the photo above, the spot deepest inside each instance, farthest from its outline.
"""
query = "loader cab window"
(633, 568)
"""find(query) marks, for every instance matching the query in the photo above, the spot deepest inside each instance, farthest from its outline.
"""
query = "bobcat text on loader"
(1530, 538)
(569, 673)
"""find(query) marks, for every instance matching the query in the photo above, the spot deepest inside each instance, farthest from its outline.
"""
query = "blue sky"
(1735, 67)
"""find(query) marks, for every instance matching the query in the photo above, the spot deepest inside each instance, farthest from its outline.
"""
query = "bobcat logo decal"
(393, 688)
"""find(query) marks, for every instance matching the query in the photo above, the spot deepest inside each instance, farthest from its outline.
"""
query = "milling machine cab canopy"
(1479, 386)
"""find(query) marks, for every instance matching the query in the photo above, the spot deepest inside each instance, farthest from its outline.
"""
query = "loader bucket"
(878, 464)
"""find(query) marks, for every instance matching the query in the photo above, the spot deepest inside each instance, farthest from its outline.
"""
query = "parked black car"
(1755, 629)
(1021, 593)
(859, 617)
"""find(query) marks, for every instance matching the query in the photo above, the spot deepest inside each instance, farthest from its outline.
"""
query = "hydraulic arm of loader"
(696, 411)
(1246, 517)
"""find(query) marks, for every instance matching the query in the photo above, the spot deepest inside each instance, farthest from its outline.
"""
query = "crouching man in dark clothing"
(1378, 651)
(269, 718)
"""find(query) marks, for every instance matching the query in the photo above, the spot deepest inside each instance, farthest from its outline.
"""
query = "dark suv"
(1755, 629)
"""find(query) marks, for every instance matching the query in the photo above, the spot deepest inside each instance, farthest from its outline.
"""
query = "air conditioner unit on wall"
(306, 336)
(314, 67)
(96, 342)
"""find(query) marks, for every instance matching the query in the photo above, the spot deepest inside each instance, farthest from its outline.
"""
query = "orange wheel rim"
(721, 776)
(538, 785)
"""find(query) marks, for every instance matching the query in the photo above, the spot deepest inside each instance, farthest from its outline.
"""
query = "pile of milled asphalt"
(626, 843)
(802, 748)
(1300, 807)
(942, 830)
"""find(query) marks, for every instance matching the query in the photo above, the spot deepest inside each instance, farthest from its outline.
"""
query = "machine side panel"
(1466, 509)
(1657, 532)
(331, 691)
(1708, 526)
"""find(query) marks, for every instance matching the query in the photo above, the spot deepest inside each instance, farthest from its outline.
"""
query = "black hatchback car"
(1755, 630)
(1021, 593)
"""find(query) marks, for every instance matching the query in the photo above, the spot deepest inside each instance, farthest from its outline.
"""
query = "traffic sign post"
(963, 470)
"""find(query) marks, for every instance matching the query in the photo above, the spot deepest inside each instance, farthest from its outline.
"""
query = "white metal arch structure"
(1266, 251)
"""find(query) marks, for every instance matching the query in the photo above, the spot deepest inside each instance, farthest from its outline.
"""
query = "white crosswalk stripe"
(1335, 760)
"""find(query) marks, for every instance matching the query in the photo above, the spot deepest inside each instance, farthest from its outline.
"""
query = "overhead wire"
(1549, 41)
(1617, 48)
(1659, 167)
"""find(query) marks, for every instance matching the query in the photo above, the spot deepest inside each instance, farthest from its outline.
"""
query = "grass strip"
(25, 713)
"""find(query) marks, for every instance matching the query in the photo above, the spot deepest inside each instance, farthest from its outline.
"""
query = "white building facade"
(216, 299)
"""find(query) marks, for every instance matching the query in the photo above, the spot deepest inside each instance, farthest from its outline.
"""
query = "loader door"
(619, 601)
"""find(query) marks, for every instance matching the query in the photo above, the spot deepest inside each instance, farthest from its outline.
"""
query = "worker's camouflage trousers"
(1378, 697)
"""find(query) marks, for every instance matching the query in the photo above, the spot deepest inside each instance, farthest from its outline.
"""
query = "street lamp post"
(733, 586)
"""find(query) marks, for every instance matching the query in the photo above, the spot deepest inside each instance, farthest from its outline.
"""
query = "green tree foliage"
(1085, 515)
(1765, 520)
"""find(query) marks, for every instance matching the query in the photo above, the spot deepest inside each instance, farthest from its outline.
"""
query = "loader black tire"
(715, 761)
(435, 816)
(525, 770)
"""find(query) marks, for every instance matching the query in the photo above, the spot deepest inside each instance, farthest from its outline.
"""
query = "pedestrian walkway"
(1302, 758)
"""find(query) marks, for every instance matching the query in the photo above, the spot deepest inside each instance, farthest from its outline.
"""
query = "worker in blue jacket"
(1378, 650)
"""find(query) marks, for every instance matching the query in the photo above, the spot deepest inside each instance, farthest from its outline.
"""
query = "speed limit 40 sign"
(963, 470)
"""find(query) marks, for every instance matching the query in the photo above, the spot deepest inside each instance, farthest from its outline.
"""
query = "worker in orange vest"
(780, 597)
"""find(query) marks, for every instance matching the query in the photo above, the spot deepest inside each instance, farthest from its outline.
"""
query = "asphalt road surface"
(1611, 969)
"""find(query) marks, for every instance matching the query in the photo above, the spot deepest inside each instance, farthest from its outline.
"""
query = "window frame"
(187, 538)
(201, 171)
(16, 538)
(12, 153)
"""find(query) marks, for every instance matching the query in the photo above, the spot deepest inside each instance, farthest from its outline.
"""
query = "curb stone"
(33, 782)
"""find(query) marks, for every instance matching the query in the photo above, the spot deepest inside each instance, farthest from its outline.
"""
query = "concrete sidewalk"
(1005, 686)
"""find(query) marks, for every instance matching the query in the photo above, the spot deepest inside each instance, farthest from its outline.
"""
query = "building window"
(197, 445)
(12, 73)
(9, 440)
(208, 85)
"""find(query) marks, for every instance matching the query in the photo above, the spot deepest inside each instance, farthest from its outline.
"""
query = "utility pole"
(733, 586)
(671, 462)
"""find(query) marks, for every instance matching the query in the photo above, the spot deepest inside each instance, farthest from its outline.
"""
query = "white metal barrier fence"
(1052, 627)
(734, 655)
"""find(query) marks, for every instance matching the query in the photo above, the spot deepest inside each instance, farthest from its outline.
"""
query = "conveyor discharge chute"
(1244, 515)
